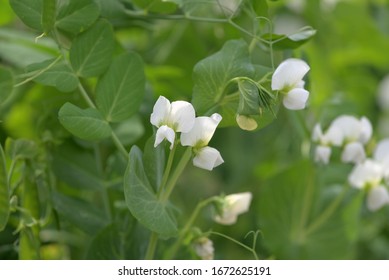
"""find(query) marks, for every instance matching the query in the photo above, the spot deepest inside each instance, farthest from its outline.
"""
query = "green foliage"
(49, 11)
(75, 16)
(120, 90)
(293, 41)
(92, 50)
(30, 12)
(142, 201)
(6, 83)
(87, 124)
(4, 191)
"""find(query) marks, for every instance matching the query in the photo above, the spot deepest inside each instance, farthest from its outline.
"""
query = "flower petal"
(366, 130)
(377, 197)
(322, 154)
(201, 132)
(353, 152)
(160, 112)
(204, 248)
(349, 125)
(317, 133)
(289, 74)
(368, 172)
(182, 116)
(296, 99)
(235, 204)
(207, 158)
(381, 152)
(333, 136)
(165, 132)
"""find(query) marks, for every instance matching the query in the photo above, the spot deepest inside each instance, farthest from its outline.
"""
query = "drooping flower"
(233, 205)
(368, 175)
(178, 116)
(332, 137)
(198, 138)
(204, 248)
(288, 79)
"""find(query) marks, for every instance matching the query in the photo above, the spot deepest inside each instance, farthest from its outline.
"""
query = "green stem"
(236, 242)
(152, 246)
(168, 168)
(327, 213)
(188, 225)
(176, 174)
(119, 145)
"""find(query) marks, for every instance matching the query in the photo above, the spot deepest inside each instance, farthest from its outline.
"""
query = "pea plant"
(176, 129)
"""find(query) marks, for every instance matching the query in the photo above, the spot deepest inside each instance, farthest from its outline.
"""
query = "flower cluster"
(345, 131)
(373, 175)
(179, 116)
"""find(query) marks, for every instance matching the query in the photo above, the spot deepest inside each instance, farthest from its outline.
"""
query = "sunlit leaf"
(91, 51)
(87, 124)
(142, 201)
(121, 89)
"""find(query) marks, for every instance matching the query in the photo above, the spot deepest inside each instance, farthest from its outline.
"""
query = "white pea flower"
(332, 137)
(381, 154)
(288, 79)
(383, 94)
(178, 116)
(198, 138)
(204, 248)
(233, 206)
(369, 175)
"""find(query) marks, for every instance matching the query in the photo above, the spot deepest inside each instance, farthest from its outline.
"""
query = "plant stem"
(327, 213)
(168, 168)
(188, 225)
(152, 246)
(176, 174)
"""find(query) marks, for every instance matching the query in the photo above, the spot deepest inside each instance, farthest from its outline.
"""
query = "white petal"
(204, 248)
(296, 99)
(383, 94)
(366, 130)
(207, 158)
(182, 116)
(333, 136)
(381, 152)
(349, 125)
(377, 197)
(235, 204)
(202, 131)
(353, 152)
(160, 112)
(322, 154)
(165, 132)
(368, 172)
(317, 133)
(289, 74)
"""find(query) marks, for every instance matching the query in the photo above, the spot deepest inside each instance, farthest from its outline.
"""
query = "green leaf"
(30, 12)
(59, 75)
(157, 6)
(49, 11)
(120, 90)
(75, 16)
(4, 191)
(248, 98)
(77, 168)
(154, 162)
(142, 201)
(86, 124)
(6, 83)
(290, 41)
(20, 149)
(290, 203)
(213, 74)
(80, 213)
(130, 130)
(91, 51)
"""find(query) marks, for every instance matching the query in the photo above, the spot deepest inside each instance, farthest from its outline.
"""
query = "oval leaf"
(91, 51)
(290, 41)
(30, 12)
(120, 91)
(77, 15)
(49, 11)
(142, 201)
(87, 124)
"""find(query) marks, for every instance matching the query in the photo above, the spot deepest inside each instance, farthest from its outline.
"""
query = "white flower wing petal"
(164, 132)
(367, 172)
(366, 130)
(381, 152)
(349, 125)
(353, 152)
(322, 154)
(289, 74)
(160, 112)
(377, 197)
(239, 203)
(296, 99)
(208, 158)
(202, 131)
